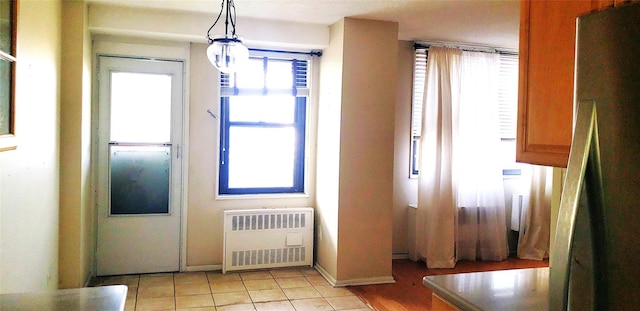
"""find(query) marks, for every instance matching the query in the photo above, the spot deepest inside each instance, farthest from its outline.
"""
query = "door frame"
(171, 51)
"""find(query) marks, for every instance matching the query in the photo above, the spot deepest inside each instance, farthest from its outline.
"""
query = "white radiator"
(267, 238)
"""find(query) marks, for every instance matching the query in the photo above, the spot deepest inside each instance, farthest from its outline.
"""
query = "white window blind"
(419, 75)
(508, 95)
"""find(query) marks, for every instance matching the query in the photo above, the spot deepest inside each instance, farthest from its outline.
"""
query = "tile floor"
(297, 289)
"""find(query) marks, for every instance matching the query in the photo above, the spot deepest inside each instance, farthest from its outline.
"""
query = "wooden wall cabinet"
(546, 78)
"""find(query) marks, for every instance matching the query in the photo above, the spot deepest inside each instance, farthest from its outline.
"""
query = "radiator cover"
(267, 238)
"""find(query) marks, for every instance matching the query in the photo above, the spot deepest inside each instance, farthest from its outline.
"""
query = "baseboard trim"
(353, 282)
(400, 256)
(87, 282)
(202, 268)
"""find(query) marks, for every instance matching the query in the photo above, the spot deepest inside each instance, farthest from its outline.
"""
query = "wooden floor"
(409, 294)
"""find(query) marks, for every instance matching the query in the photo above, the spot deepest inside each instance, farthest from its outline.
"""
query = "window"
(7, 74)
(419, 76)
(507, 108)
(263, 126)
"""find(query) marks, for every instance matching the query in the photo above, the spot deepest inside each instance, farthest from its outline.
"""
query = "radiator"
(267, 238)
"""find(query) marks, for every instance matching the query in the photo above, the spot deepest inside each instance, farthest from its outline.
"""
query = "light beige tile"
(274, 306)
(301, 292)
(198, 309)
(130, 304)
(286, 273)
(148, 304)
(156, 280)
(261, 284)
(267, 295)
(132, 292)
(346, 303)
(256, 275)
(293, 282)
(192, 289)
(194, 301)
(155, 291)
(227, 287)
(318, 280)
(219, 277)
(241, 307)
(308, 271)
(329, 291)
(235, 298)
(190, 278)
(314, 304)
(129, 280)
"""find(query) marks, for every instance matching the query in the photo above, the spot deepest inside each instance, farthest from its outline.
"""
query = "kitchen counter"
(103, 298)
(519, 289)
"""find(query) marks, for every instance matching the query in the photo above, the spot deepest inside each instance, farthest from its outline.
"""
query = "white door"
(139, 165)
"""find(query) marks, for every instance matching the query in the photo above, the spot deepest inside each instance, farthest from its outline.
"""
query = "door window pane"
(140, 107)
(5, 97)
(139, 180)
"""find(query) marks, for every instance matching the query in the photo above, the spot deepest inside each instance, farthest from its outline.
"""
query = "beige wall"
(366, 103)
(328, 152)
(204, 240)
(77, 214)
(29, 176)
(405, 189)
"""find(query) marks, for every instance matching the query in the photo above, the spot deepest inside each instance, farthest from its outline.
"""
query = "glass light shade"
(227, 54)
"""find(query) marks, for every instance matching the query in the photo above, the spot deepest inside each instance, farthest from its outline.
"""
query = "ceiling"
(481, 22)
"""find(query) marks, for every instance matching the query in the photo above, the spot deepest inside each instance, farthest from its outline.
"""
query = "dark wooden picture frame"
(8, 23)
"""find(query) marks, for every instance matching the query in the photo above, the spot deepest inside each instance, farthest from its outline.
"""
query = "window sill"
(8, 142)
(261, 196)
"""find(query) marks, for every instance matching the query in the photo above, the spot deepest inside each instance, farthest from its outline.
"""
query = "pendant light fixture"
(226, 52)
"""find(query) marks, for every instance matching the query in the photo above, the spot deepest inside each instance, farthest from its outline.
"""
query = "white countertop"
(519, 289)
(103, 298)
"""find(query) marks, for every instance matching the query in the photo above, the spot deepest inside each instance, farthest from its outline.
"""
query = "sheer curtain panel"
(460, 194)
(533, 240)
(436, 212)
(481, 230)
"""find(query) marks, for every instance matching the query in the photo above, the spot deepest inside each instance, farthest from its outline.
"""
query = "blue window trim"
(299, 125)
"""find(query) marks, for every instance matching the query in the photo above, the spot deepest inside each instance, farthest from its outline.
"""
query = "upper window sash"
(299, 84)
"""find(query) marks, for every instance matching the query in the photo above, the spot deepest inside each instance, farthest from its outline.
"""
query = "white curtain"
(436, 214)
(460, 194)
(533, 240)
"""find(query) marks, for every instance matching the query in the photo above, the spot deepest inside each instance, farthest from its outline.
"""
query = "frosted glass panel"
(140, 180)
(5, 97)
(261, 157)
(140, 107)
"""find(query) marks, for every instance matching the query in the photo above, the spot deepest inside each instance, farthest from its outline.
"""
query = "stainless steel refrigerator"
(595, 263)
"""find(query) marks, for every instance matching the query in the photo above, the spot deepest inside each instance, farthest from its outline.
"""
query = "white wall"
(29, 175)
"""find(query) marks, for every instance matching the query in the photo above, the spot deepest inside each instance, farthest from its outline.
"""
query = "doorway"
(139, 166)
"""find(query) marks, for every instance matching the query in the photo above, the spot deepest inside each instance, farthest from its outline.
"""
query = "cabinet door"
(547, 54)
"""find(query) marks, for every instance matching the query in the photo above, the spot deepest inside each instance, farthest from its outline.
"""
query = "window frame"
(300, 90)
(8, 140)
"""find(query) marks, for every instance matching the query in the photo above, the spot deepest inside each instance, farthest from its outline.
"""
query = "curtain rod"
(464, 47)
(311, 53)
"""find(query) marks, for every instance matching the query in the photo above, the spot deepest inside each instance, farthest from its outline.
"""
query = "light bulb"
(227, 54)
